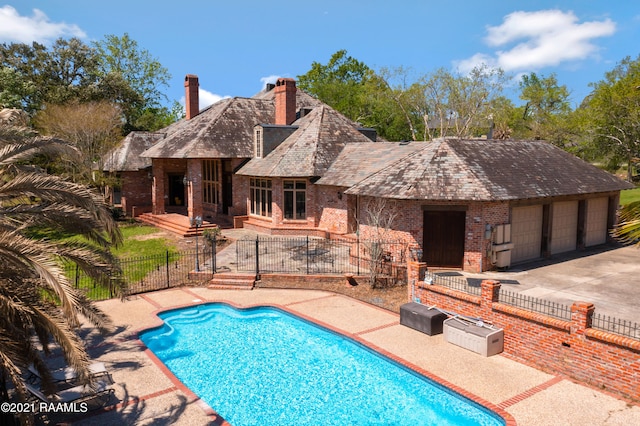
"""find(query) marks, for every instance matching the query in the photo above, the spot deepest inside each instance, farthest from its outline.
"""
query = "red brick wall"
(240, 194)
(332, 206)
(136, 192)
(600, 359)
(408, 227)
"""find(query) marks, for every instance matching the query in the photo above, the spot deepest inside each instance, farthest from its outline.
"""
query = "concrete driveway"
(607, 276)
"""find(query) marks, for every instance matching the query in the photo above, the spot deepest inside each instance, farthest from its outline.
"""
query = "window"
(211, 178)
(295, 199)
(260, 197)
(257, 139)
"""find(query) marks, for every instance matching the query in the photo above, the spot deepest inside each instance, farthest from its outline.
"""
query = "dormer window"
(258, 139)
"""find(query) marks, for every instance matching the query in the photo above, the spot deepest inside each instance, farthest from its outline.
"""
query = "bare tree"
(381, 214)
(92, 127)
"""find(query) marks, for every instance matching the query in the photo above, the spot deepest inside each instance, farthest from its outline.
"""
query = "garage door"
(596, 221)
(526, 232)
(564, 226)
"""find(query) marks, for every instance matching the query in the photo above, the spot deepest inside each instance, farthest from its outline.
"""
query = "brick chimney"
(285, 99)
(191, 96)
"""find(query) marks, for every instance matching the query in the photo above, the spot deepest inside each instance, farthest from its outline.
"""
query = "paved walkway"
(606, 276)
(147, 394)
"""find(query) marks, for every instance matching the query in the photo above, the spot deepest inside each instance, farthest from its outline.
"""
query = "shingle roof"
(224, 130)
(126, 156)
(358, 161)
(311, 149)
(476, 170)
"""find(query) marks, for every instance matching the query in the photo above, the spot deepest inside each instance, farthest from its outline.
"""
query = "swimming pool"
(264, 366)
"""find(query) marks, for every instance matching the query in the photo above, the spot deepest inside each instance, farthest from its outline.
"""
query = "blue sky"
(236, 46)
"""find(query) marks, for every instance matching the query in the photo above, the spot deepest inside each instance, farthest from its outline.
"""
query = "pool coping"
(218, 420)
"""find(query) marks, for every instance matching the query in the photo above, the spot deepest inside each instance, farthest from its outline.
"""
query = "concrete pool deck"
(146, 393)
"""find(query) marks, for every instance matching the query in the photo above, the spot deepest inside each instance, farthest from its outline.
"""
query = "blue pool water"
(263, 366)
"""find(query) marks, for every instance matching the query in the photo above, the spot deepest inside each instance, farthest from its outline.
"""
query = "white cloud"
(270, 79)
(533, 40)
(205, 99)
(38, 27)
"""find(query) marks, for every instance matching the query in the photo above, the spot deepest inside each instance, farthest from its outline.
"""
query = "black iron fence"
(148, 273)
(617, 326)
(546, 307)
(309, 255)
(454, 282)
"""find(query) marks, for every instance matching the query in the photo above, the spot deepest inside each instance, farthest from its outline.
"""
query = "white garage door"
(526, 232)
(564, 226)
(596, 221)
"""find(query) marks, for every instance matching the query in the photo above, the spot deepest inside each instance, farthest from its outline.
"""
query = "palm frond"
(628, 228)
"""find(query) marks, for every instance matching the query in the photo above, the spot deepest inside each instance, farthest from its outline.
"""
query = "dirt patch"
(390, 298)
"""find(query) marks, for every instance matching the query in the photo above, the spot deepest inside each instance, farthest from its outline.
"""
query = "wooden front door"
(443, 239)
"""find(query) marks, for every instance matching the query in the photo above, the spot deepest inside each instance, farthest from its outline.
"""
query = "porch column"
(194, 187)
(158, 190)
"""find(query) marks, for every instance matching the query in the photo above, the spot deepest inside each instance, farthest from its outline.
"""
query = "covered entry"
(443, 238)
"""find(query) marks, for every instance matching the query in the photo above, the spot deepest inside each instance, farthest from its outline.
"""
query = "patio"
(145, 393)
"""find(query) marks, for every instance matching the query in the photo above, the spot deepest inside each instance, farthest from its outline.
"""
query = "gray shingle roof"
(477, 170)
(311, 149)
(126, 156)
(223, 130)
(359, 161)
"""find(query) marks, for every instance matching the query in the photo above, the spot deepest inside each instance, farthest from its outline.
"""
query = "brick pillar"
(581, 317)
(194, 188)
(415, 273)
(158, 190)
(490, 290)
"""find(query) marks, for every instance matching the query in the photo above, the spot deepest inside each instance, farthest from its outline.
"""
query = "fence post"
(214, 254)
(307, 252)
(257, 257)
(358, 252)
(77, 276)
(167, 268)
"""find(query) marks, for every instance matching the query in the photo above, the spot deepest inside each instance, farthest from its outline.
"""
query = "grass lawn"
(139, 240)
(629, 196)
(141, 246)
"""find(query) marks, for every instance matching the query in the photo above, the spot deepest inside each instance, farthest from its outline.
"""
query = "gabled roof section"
(481, 170)
(125, 157)
(311, 149)
(223, 130)
(358, 161)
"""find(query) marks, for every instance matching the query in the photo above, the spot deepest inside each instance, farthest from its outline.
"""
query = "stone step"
(170, 224)
(231, 280)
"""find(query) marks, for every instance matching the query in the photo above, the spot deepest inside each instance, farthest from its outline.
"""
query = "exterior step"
(232, 281)
(177, 225)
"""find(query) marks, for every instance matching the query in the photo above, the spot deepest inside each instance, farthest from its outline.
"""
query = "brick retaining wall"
(601, 359)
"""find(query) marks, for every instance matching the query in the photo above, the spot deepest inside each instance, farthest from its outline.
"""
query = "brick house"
(480, 204)
(131, 173)
(283, 163)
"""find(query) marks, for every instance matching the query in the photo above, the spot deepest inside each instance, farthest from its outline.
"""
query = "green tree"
(114, 70)
(545, 111)
(461, 105)
(133, 78)
(614, 112)
(339, 83)
(38, 303)
(15, 91)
